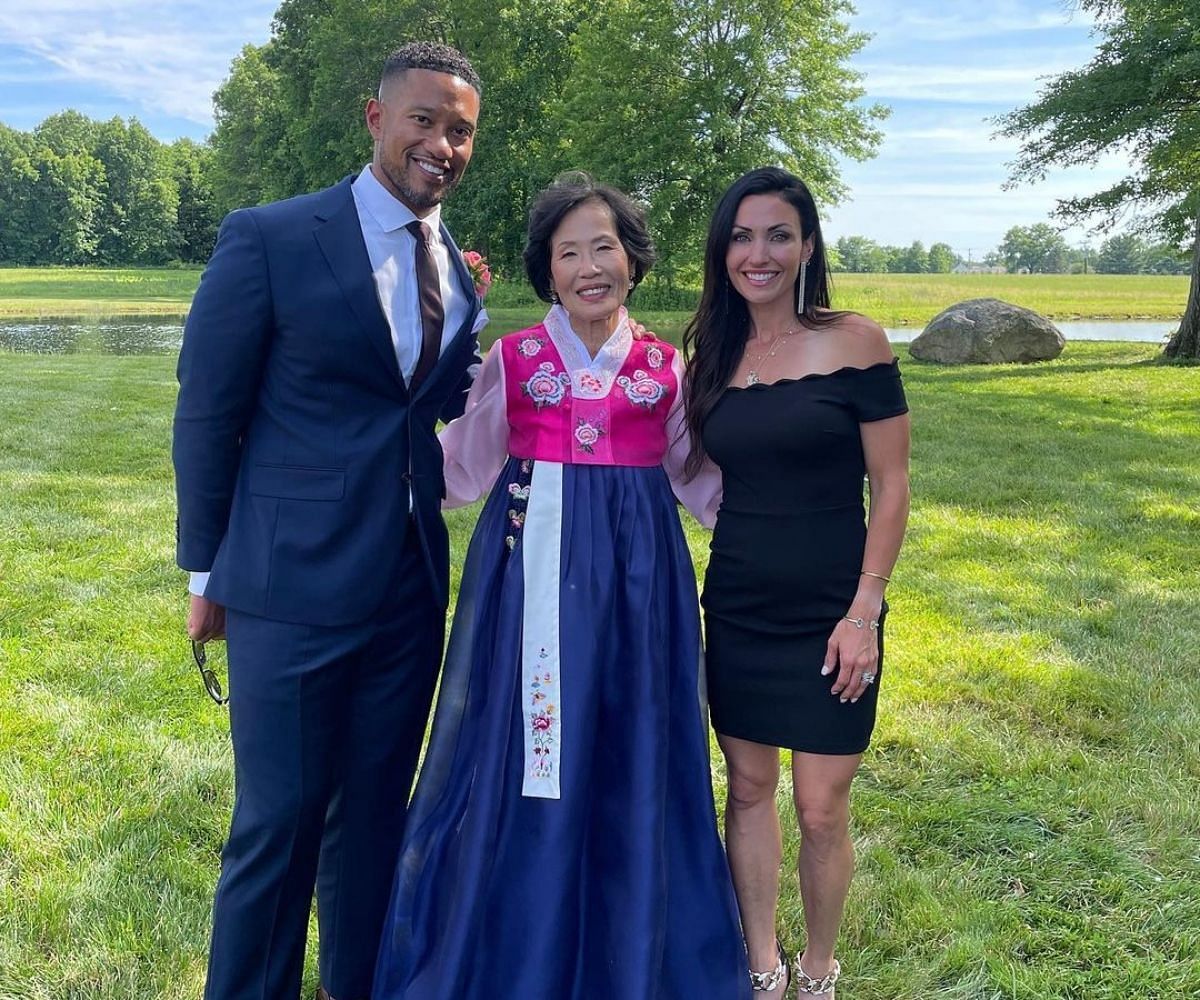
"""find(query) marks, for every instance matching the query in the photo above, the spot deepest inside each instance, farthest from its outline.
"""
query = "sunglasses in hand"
(211, 684)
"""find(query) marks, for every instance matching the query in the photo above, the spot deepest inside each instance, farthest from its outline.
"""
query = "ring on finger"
(868, 678)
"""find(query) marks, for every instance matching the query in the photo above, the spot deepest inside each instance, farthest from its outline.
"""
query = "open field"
(1027, 819)
(891, 299)
(67, 292)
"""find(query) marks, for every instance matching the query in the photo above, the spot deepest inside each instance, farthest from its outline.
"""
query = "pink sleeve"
(476, 444)
(701, 495)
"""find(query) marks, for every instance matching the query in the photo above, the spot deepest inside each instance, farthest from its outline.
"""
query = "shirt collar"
(386, 209)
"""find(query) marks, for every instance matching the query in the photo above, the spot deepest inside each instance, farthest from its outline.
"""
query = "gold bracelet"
(878, 576)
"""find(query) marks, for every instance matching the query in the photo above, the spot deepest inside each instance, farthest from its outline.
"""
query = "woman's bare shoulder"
(861, 340)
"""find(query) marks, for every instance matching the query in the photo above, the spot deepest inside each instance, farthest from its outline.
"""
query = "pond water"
(120, 335)
(161, 335)
(1155, 332)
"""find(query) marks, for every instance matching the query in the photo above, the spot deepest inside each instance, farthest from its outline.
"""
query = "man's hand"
(206, 619)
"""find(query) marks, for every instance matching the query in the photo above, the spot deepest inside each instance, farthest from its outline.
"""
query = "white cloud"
(889, 23)
(158, 57)
(962, 84)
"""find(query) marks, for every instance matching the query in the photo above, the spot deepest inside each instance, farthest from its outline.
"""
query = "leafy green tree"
(1124, 254)
(1039, 249)
(250, 158)
(290, 115)
(666, 100)
(672, 101)
(17, 179)
(1164, 258)
(139, 212)
(523, 50)
(914, 259)
(852, 252)
(941, 258)
(1140, 95)
(66, 133)
(65, 211)
(196, 220)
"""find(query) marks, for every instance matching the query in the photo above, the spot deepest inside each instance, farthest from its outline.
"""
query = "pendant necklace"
(757, 363)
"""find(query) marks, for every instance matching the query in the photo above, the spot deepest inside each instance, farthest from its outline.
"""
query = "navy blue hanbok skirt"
(618, 889)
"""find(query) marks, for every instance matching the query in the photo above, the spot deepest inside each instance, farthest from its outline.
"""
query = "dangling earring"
(554, 296)
(800, 290)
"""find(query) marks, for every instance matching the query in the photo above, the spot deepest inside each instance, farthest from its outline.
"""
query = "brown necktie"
(429, 288)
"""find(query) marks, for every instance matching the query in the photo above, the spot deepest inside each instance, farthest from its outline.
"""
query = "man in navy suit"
(329, 334)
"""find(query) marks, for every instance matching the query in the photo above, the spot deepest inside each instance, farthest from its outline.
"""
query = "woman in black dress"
(795, 402)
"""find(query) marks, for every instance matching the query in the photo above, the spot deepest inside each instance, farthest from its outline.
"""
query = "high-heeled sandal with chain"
(822, 987)
(776, 979)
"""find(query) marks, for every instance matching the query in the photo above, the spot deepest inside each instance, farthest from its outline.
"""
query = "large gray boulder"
(986, 331)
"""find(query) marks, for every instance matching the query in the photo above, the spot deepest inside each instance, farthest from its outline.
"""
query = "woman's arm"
(702, 494)
(475, 445)
(854, 649)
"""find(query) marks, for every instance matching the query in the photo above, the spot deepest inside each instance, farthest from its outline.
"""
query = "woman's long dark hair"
(715, 338)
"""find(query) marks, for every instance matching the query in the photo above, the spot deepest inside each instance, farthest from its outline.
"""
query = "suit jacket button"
(406, 477)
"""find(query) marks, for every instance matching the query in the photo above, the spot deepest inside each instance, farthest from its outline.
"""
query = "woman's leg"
(753, 843)
(821, 786)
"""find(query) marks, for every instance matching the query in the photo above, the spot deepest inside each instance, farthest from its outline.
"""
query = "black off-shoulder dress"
(787, 552)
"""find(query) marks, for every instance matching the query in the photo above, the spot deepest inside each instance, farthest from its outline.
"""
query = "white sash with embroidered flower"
(591, 378)
(541, 560)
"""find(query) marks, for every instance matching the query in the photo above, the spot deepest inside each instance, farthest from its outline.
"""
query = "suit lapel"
(339, 235)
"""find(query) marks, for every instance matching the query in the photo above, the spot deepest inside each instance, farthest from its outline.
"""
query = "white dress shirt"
(392, 251)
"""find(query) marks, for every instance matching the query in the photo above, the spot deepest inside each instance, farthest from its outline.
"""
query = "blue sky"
(944, 68)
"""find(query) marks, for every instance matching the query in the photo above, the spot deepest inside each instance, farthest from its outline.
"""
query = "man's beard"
(418, 200)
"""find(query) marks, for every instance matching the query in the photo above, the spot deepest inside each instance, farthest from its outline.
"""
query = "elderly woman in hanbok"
(562, 840)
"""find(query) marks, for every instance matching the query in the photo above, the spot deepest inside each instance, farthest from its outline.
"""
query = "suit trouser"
(327, 725)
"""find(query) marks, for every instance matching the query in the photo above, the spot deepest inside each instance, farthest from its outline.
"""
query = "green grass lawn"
(891, 299)
(1027, 820)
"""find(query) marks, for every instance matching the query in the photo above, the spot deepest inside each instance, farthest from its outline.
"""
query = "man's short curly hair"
(430, 55)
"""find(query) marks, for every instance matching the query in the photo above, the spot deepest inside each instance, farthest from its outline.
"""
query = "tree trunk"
(1186, 341)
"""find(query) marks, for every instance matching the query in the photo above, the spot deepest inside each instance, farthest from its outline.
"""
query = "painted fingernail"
(825, 671)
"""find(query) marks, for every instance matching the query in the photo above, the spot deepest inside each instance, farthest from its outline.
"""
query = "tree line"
(1036, 249)
(78, 191)
(865, 256)
(1042, 249)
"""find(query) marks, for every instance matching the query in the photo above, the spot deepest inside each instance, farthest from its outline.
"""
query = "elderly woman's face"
(765, 248)
(589, 268)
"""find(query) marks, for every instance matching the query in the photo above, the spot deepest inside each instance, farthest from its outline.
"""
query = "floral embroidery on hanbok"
(529, 347)
(546, 387)
(589, 383)
(542, 722)
(654, 356)
(518, 494)
(588, 434)
(642, 390)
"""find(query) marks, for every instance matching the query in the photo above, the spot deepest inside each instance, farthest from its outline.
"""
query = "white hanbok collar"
(591, 378)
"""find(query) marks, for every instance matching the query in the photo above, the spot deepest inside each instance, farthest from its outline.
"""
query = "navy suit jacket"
(296, 441)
